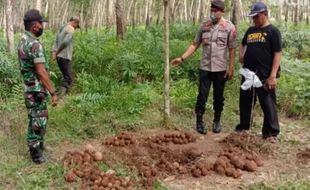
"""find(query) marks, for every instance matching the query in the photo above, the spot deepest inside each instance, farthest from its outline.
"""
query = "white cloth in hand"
(251, 79)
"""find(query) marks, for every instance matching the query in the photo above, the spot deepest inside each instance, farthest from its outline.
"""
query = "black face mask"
(39, 32)
(214, 19)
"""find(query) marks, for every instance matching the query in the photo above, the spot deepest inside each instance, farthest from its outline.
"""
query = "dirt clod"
(82, 165)
(232, 161)
(174, 137)
(250, 165)
(123, 139)
(160, 156)
(303, 156)
(70, 176)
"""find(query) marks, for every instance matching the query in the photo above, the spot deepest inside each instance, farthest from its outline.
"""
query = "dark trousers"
(65, 67)
(267, 100)
(206, 78)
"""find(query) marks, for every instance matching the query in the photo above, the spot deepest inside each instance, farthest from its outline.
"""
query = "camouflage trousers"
(36, 104)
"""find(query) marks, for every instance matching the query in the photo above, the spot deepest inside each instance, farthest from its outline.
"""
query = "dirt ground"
(186, 160)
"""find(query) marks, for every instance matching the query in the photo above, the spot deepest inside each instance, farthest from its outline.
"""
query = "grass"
(84, 117)
(75, 126)
(299, 185)
(124, 93)
(159, 186)
(22, 174)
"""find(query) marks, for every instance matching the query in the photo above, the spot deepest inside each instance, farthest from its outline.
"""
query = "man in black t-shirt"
(260, 52)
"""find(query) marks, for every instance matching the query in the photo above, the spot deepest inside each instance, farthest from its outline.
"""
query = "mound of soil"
(247, 142)
(303, 156)
(165, 154)
(232, 161)
(157, 156)
(123, 139)
(81, 166)
(173, 137)
(201, 168)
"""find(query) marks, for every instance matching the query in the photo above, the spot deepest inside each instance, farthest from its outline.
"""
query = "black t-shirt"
(261, 44)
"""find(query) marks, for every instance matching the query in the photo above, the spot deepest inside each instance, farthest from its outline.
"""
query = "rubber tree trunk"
(131, 4)
(158, 11)
(297, 10)
(167, 69)
(146, 13)
(9, 26)
(185, 10)
(119, 20)
(107, 12)
(171, 11)
(308, 13)
(236, 12)
(39, 5)
(286, 16)
(134, 16)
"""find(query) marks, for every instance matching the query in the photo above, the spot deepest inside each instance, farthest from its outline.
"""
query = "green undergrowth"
(118, 86)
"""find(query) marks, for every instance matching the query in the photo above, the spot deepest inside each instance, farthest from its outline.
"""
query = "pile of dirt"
(165, 154)
(303, 156)
(157, 156)
(81, 166)
(233, 161)
(201, 168)
(148, 174)
(123, 139)
(248, 142)
(165, 162)
(173, 137)
(174, 160)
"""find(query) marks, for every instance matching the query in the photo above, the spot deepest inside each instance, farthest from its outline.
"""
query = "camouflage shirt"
(31, 52)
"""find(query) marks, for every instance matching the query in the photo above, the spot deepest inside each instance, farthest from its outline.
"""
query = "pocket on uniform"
(206, 37)
(222, 39)
(40, 96)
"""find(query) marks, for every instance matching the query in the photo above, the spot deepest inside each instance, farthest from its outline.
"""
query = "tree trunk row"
(102, 13)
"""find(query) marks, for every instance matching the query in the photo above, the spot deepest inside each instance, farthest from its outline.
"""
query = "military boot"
(216, 127)
(200, 126)
(42, 147)
(36, 153)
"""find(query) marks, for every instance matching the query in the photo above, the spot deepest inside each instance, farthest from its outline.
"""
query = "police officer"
(35, 73)
(217, 36)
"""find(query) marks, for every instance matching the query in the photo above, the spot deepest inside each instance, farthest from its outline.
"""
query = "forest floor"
(161, 159)
(183, 160)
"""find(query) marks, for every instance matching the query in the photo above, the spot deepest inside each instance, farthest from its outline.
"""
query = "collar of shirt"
(70, 28)
(222, 22)
(30, 35)
(208, 25)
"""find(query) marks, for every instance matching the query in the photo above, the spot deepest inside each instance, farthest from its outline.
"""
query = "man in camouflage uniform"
(218, 36)
(34, 70)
